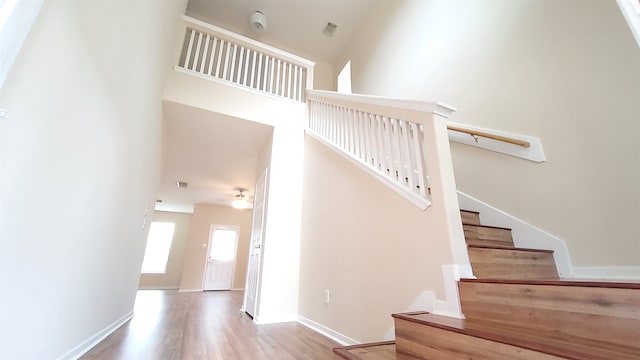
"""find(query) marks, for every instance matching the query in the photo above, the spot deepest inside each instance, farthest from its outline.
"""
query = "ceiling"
(214, 153)
(293, 25)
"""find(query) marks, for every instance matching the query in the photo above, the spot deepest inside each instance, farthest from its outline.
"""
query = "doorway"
(221, 257)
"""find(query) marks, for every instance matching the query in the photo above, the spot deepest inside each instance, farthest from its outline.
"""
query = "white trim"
(328, 332)
(414, 198)
(607, 272)
(189, 290)
(534, 152)
(275, 319)
(451, 306)
(435, 107)
(158, 287)
(16, 19)
(88, 344)
(182, 70)
(270, 50)
(631, 11)
(524, 235)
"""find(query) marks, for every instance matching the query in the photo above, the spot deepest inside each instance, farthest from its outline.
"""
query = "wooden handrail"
(475, 133)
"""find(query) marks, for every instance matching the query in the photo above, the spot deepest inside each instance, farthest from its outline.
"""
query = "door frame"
(264, 177)
(214, 227)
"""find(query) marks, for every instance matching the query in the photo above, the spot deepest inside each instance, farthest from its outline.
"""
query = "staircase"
(517, 308)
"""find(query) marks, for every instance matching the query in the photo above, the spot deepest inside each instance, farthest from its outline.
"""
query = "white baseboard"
(275, 318)
(158, 287)
(190, 290)
(524, 235)
(607, 272)
(88, 344)
(330, 333)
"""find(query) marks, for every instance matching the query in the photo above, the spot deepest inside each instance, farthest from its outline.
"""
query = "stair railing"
(384, 136)
(215, 53)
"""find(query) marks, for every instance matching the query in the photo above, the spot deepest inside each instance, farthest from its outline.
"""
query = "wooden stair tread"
(470, 217)
(372, 351)
(556, 344)
(488, 227)
(504, 247)
(620, 284)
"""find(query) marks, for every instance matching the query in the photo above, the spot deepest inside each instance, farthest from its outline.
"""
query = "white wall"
(79, 157)
(567, 72)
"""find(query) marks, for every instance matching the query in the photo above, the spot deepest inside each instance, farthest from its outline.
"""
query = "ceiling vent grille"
(330, 29)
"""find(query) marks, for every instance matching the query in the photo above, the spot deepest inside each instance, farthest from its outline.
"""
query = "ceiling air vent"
(181, 184)
(330, 29)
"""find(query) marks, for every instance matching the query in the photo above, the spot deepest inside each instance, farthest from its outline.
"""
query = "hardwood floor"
(171, 325)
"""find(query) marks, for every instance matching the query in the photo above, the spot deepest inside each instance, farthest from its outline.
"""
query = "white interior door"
(221, 257)
(255, 249)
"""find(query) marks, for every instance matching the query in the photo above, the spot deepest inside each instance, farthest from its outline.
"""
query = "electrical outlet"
(327, 296)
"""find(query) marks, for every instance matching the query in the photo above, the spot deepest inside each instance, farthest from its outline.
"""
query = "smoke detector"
(258, 22)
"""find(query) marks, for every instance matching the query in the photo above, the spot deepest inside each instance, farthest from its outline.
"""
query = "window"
(158, 247)
(344, 79)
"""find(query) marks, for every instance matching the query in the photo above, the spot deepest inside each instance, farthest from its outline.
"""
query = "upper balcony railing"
(216, 53)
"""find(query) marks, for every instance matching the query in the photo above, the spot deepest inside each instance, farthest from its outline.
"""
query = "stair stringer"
(524, 235)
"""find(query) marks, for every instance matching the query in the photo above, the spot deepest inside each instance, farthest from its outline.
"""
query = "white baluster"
(253, 69)
(300, 84)
(266, 72)
(205, 53)
(189, 48)
(247, 59)
(419, 153)
(405, 154)
(220, 51)
(240, 62)
(289, 82)
(277, 92)
(214, 47)
(271, 69)
(234, 55)
(260, 71)
(295, 82)
(197, 54)
(225, 74)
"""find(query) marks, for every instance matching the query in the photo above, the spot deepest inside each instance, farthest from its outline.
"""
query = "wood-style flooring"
(169, 325)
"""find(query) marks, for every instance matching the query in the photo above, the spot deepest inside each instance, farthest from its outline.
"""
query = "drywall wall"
(204, 216)
(80, 157)
(567, 72)
(371, 248)
(171, 279)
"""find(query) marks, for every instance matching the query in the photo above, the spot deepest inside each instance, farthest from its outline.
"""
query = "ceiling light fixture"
(258, 22)
(241, 201)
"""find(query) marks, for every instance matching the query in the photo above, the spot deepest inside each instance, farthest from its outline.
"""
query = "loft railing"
(385, 136)
(215, 53)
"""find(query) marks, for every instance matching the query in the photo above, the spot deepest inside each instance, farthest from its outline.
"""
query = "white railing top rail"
(382, 105)
(248, 42)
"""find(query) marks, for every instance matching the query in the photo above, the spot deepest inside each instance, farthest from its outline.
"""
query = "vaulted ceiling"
(215, 153)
